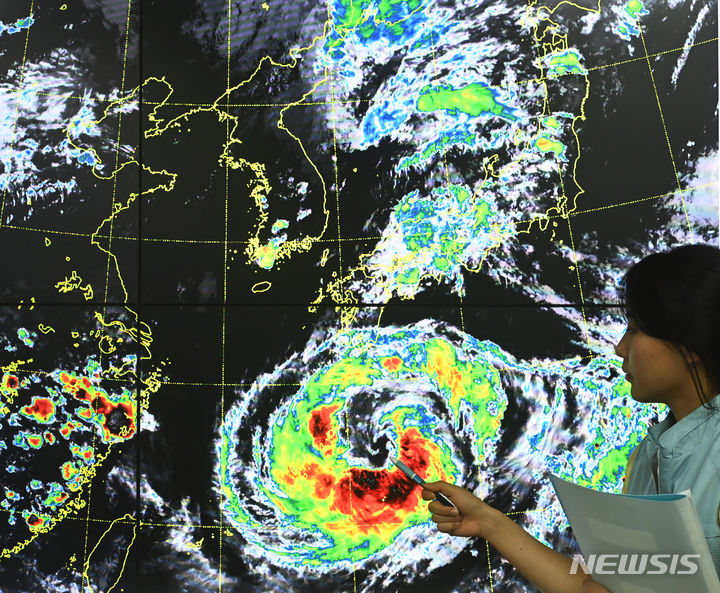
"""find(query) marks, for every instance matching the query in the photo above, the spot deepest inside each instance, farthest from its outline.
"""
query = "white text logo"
(636, 564)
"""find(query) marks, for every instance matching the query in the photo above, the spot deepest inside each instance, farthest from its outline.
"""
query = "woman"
(671, 355)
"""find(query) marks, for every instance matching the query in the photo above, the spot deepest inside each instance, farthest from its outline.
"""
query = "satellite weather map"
(251, 249)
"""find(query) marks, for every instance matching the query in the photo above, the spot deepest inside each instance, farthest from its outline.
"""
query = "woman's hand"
(472, 518)
(590, 586)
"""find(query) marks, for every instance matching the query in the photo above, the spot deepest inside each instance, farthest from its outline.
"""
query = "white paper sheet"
(614, 524)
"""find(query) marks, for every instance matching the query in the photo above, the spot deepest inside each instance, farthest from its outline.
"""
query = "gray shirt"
(676, 456)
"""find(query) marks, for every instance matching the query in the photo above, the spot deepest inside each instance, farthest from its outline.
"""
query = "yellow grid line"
(611, 206)
(252, 105)
(179, 383)
(134, 521)
(17, 106)
(168, 240)
(225, 281)
(355, 101)
(340, 265)
(579, 283)
(181, 104)
(589, 357)
(335, 167)
(654, 55)
(687, 188)
(86, 558)
(447, 173)
(631, 202)
(565, 215)
(117, 153)
(662, 120)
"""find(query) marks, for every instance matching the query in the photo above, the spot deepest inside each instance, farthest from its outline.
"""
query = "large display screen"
(250, 250)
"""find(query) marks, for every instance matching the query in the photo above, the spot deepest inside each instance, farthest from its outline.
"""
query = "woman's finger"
(429, 489)
(428, 494)
(448, 527)
(445, 519)
(440, 509)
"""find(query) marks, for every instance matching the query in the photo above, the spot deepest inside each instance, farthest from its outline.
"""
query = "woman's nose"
(620, 347)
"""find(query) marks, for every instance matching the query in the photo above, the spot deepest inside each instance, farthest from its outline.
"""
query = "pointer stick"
(417, 479)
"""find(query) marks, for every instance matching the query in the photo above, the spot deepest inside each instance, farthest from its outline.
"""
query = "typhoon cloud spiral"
(304, 470)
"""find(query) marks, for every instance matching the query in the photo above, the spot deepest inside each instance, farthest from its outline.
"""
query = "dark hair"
(675, 296)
